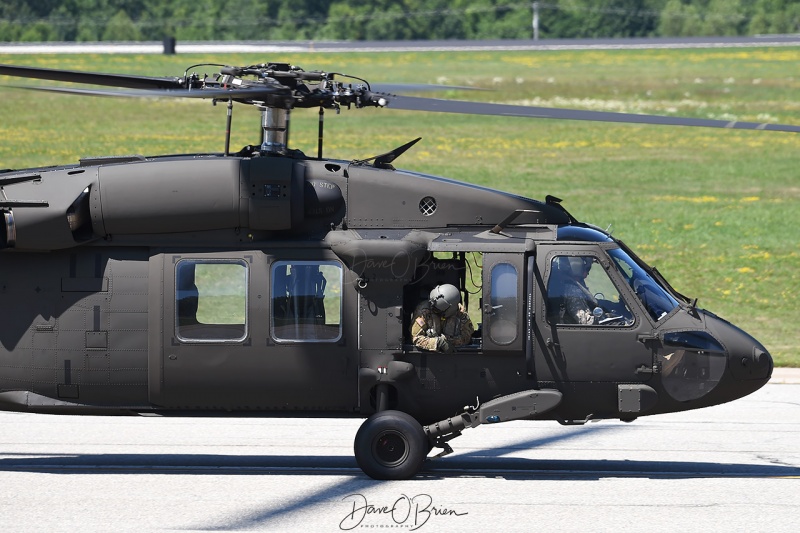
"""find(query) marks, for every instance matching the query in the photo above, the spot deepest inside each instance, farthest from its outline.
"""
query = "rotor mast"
(274, 129)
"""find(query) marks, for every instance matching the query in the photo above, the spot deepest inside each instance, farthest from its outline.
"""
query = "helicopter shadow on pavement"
(489, 463)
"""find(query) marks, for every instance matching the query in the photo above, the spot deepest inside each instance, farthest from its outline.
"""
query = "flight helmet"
(445, 299)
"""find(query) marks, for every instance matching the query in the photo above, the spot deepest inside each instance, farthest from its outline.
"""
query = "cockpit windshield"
(655, 298)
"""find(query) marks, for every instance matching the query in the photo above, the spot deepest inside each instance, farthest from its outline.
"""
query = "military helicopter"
(269, 282)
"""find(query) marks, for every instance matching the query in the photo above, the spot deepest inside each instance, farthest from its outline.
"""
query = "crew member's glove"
(442, 345)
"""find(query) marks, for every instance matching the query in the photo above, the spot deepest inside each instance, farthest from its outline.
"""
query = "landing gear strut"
(393, 445)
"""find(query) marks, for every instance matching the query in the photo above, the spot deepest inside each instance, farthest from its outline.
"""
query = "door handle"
(644, 338)
(489, 310)
(644, 369)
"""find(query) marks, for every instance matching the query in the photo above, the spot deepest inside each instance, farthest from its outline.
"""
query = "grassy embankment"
(717, 211)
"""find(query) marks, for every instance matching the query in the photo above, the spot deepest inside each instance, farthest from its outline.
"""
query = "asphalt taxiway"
(734, 467)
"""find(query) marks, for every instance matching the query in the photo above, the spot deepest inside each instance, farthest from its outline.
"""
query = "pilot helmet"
(445, 299)
(576, 266)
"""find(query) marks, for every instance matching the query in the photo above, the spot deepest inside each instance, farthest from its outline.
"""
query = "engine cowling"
(167, 196)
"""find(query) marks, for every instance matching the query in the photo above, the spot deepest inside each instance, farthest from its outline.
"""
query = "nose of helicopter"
(717, 364)
(748, 360)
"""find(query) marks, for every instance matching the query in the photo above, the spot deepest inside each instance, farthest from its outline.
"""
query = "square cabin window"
(211, 300)
(306, 301)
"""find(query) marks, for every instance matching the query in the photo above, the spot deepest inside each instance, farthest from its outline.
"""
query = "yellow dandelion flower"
(745, 270)
(759, 255)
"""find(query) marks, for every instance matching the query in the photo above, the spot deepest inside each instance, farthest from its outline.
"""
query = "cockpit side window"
(580, 292)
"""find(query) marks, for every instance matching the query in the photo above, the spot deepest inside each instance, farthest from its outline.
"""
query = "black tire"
(390, 445)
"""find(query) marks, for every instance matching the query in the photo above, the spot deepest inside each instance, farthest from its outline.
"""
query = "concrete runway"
(734, 467)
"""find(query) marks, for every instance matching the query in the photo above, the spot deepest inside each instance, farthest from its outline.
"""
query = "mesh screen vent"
(427, 206)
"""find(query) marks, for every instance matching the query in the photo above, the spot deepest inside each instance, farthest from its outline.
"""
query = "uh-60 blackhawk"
(269, 282)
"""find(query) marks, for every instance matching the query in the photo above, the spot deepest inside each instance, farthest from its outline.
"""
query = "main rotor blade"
(125, 81)
(419, 87)
(246, 94)
(412, 103)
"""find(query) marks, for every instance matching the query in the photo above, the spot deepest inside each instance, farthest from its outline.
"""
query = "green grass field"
(717, 211)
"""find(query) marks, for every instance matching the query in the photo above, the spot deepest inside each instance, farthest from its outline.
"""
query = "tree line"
(277, 20)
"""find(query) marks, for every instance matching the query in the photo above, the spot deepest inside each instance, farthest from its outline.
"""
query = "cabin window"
(502, 316)
(580, 292)
(306, 301)
(211, 300)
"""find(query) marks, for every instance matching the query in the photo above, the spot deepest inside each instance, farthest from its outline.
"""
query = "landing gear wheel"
(390, 445)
